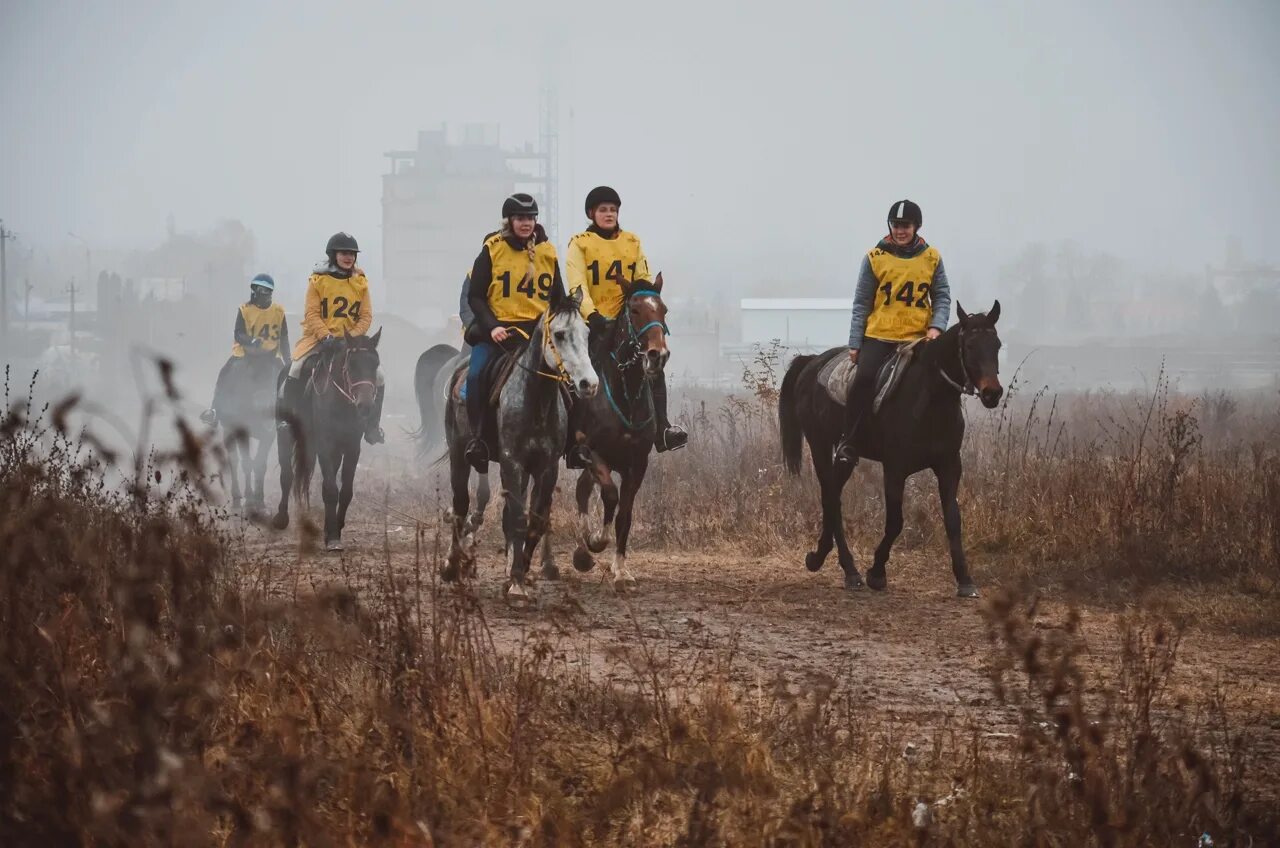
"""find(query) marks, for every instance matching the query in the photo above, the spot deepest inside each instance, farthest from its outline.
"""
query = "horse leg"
(285, 447)
(948, 474)
(839, 476)
(260, 472)
(587, 544)
(246, 467)
(822, 470)
(329, 490)
(350, 459)
(233, 458)
(631, 480)
(549, 568)
(459, 477)
(894, 482)
(544, 486)
(515, 526)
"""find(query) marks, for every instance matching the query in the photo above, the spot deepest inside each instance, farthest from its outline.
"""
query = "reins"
(625, 363)
(350, 390)
(967, 388)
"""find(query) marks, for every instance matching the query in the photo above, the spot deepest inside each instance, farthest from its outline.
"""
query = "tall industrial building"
(438, 201)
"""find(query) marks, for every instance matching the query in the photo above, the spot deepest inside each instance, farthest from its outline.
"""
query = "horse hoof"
(877, 580)
(853, 581)
(582, 560)
(281, 521)
(518, 595)
(333, 545)
(812, 561)
(968, 590)
(624, 584)
(550, 571)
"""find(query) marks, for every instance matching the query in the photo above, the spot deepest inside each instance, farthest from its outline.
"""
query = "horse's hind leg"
(840, 476)
(948, 487)
(631, 480)
(260, 472)
(822, 470)
(894, 482)
(234, 452)
(246, 467)
(459, 536)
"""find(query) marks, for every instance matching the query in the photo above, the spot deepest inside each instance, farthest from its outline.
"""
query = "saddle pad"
(836, 376)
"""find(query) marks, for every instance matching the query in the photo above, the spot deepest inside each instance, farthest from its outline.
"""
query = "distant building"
(438, 201)
(801, 323)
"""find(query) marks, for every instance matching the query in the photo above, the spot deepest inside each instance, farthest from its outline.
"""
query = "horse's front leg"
(234, 452)
(515, 526)
(246, 468)
(350, 459)
(631, 480)
(461, 540)
(544, 486)
(948, 487)
(329, 458)
(260, 471)
(895, 480)
(285, 446)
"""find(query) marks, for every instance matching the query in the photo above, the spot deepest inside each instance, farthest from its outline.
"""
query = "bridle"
(634, 336)
(967, 388)
(350, 390)
(548, 345)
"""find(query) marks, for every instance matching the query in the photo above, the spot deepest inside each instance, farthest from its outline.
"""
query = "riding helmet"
(906, 210)
(601, 194)
(519, 204)
(263, 281)
(340, 241)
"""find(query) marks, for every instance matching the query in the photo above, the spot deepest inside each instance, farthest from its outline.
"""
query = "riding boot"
(670, 437)
(846, 451)
(373, 431)
(290, 402)
(477, 451)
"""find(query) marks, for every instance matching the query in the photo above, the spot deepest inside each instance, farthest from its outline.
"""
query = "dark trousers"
(477, 386)
(862, 394)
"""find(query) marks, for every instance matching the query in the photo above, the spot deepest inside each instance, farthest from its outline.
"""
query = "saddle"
(497, 371)
(837, 375)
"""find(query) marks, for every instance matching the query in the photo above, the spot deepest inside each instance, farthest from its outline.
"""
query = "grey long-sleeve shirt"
(864, 296)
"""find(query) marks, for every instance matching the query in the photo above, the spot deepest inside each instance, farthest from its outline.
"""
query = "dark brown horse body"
(920, 426)
(620, 426)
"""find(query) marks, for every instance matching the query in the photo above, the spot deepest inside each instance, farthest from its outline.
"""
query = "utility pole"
(26, 309)
(72, 321)
(5, 237)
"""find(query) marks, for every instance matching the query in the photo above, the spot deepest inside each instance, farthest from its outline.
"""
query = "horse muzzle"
(587, 386)
(654, 360)
(989, 392)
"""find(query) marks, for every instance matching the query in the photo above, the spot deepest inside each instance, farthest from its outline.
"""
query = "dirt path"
(916, 651)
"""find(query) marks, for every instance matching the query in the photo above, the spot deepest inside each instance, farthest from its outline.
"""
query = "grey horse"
(532, 428)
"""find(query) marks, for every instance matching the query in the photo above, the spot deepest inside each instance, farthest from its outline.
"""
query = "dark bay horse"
(919, 426)
(619, 425)
(532, 427)
(247, 415)
(331, 418)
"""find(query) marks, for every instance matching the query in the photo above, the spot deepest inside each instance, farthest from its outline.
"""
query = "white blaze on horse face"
(573, 351)
(653, 339)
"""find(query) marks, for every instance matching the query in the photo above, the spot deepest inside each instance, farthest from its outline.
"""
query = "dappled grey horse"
(532, 427)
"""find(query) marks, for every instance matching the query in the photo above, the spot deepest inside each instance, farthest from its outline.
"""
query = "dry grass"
(156, 696)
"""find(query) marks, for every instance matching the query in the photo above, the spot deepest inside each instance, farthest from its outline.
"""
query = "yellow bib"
(263, 324)
(610, 263)
(513, 294)
(903, 306)
(341, 301)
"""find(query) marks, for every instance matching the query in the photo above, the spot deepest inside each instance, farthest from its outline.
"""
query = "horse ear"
(994, 314)
(375, 338)
(575, 297)
(964, 316)
(657, 283)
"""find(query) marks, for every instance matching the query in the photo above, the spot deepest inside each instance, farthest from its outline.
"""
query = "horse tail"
(789, 414)
(430, 421)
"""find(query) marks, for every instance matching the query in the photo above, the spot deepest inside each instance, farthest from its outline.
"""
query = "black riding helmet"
(340, 241)
(602, 194)
(519, 204)
(906, 210)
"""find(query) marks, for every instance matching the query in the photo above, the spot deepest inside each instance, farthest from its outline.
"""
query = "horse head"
(359, 361)
(980, 353)
(564, 344)
(646, 317)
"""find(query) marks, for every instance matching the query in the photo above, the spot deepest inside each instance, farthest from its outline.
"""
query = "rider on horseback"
(260, 330)
(337, 302)
(600, 261)
(902, 295)
(513, 281)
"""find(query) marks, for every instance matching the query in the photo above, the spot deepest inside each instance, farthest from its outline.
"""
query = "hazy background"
(757, 147)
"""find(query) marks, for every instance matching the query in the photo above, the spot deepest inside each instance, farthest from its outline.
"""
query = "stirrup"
(477, 455)
(577, 457)
(673, 438)
(845, 453)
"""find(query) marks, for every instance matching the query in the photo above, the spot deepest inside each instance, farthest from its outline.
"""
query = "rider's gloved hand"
(328, 342)
(597, 323)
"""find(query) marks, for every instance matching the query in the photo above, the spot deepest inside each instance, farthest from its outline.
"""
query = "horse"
(430, 381)
(247, 415)
(330, 423)
(920, 425)
(619, 426)
(532, 428)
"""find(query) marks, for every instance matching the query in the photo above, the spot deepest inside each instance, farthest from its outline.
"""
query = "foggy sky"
(749, 142)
